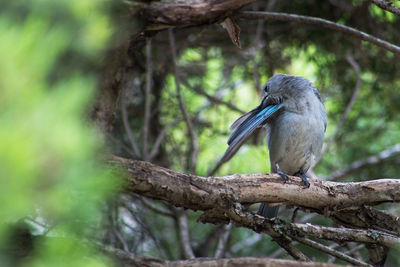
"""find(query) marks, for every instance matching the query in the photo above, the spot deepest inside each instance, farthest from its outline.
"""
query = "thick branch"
(321, 22)
(220, 198)
(164, 14)
(195, 192)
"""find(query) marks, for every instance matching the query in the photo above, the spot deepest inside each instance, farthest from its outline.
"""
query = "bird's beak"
(264, 101)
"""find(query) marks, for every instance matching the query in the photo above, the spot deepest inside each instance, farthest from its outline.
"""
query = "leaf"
(233, 30)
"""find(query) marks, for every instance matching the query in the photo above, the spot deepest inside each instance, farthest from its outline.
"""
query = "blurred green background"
(53, 182)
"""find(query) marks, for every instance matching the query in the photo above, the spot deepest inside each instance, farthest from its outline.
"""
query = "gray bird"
(294, 115)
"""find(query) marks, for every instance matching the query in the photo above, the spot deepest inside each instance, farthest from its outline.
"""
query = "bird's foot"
(303, 176)
(281, 173)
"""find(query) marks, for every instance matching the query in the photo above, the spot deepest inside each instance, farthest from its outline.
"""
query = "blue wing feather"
(247, 127)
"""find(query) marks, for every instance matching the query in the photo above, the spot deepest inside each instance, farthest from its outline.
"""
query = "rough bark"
(127, 259)
(164, 14)
(221, 197)
(103, 110)
(244, 261)
(202, 193)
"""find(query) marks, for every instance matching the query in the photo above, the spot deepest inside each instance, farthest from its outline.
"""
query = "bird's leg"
(281, 173)
(303, 176)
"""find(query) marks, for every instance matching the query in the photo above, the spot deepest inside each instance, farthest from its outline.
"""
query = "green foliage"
(49, 165)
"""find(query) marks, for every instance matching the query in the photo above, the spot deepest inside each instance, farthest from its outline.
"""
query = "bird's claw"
(282, 174)
(305, 180)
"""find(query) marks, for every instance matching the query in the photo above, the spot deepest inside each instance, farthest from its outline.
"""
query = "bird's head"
(282, 86)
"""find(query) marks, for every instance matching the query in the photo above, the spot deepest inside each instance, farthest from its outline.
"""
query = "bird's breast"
(295, 141)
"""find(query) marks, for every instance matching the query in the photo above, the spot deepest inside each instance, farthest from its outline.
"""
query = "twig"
(254, 49)
(147, 104)
(247, 242)
(216, 100)
(160, 138)
(344, 116)
(360, 164)
(184, 237)
(193, 137)
(330, 251)
(222, 241)
(113, 216)
(155, 208)
(386, 5)
(322, 22)
(120, 144)
(287, 245)
(129, 130)
(347, 234)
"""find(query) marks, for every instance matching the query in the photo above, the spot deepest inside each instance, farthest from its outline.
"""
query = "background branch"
(344, 116)
(387, 5)
(147, 103)
(322, 22)
(387, 154)
(194, 147)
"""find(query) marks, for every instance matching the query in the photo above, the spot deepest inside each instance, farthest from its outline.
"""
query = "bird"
(292, 111)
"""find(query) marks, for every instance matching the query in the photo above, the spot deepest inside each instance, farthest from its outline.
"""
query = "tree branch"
(221, 197)
(184, 236)
(360, 164)
(131, 260)
(217, 100)
(147, 104)
(222, 241)
(321, 22)
(194, 146)
(128, 129)
(165, 14)
(386, 5)
(343, 118)
(331, 251)
(160, 137)
(206, 192)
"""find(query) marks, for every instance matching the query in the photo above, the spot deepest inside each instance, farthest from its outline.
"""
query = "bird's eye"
(266, 88)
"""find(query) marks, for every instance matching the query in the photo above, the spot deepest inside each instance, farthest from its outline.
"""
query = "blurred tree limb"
(322, 22)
